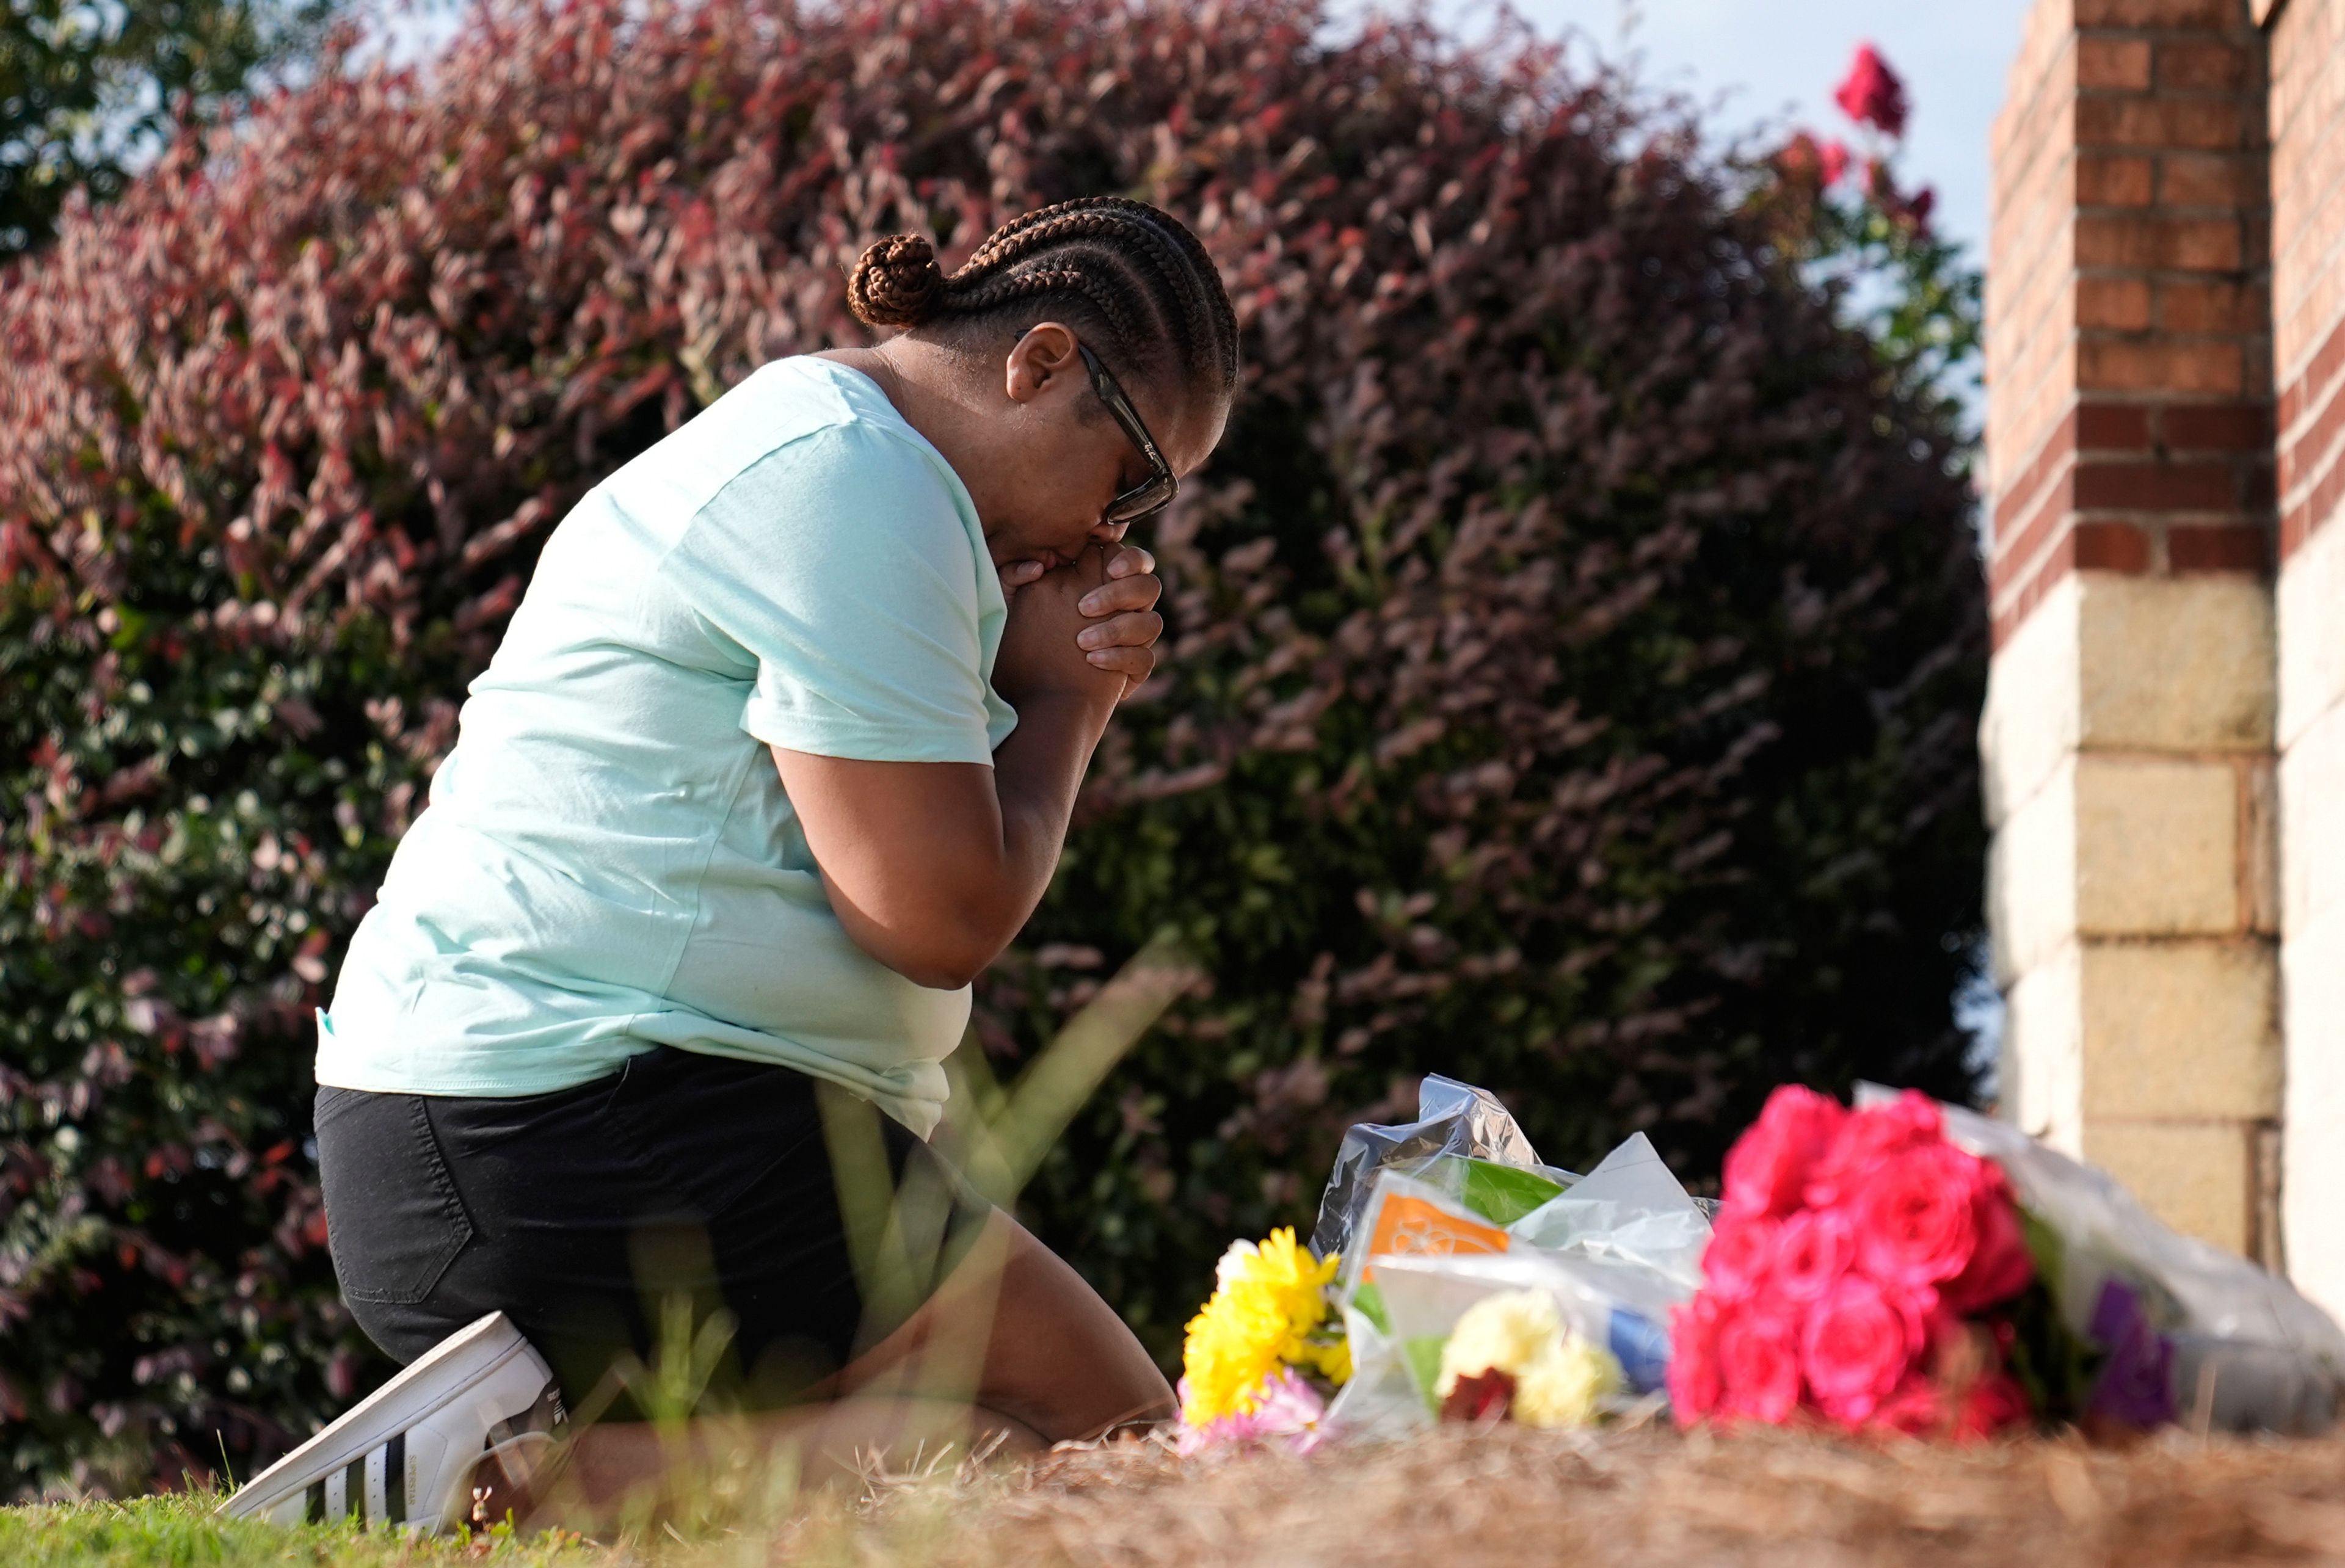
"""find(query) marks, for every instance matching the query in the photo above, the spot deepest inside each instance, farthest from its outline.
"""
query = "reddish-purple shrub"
(1574, 649)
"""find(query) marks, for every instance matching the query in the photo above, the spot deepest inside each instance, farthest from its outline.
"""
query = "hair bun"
(897, 284)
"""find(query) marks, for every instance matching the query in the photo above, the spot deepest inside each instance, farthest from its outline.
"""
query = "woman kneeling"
(776, 755)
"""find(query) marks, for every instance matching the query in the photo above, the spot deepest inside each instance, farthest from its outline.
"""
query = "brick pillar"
(2129, 732)
(2307, 170)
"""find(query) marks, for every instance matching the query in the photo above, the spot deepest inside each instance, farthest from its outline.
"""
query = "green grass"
(901, 1519)
(182, 1532)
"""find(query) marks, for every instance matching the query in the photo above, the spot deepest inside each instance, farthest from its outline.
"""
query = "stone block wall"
(2129, 735)
(2307, 120)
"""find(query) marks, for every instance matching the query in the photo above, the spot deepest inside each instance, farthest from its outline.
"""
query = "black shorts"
(588, 1214)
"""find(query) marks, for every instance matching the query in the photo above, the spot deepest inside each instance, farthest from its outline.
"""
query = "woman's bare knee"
(1016, 1330)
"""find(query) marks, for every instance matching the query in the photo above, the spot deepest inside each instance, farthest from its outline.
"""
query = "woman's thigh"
(759, 1223)
(441, 1210)
(587, 1215)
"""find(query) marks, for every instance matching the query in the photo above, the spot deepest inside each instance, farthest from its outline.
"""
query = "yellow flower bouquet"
(1266, 1351)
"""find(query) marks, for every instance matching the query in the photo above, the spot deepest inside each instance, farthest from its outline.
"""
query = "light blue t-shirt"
(609, 861)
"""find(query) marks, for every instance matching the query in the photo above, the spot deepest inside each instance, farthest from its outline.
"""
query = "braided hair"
(1132, 277)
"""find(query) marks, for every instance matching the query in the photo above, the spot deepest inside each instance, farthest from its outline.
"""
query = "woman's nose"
(1110, 532)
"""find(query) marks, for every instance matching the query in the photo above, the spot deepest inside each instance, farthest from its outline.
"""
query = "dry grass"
(1513, 1496)
(1459, 1496)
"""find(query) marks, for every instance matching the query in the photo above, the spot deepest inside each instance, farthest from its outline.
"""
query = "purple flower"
(2136, 1383)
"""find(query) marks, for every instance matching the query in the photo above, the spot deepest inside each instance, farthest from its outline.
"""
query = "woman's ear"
(1046, 355)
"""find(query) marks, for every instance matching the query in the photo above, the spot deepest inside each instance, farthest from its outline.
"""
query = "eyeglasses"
(1154, 493)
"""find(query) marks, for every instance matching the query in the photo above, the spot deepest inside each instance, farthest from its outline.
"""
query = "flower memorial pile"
(1861, 1273)
(1902, 1269)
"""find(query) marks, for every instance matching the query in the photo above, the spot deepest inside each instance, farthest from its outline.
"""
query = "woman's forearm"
(1037, 773)
(933, 867)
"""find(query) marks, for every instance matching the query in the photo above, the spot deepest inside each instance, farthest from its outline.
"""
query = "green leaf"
(1503, 1194)
(1423, 1355)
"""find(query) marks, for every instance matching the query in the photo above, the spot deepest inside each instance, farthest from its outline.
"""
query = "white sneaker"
(407, 1454)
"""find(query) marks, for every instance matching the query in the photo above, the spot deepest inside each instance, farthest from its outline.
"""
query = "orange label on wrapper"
(1412, 1228)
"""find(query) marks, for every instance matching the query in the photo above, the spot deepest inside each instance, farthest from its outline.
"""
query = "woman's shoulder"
(783, 402)
(816, 413)
(802, 430)
(805, 473)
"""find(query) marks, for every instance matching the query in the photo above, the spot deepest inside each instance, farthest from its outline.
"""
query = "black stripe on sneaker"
(317, 1501)
(354, 1488)
(394, 1480)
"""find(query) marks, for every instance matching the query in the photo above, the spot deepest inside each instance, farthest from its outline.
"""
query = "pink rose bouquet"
(1864, 1273)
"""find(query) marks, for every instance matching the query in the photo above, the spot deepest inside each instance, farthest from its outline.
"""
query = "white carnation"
(1507, 1331)
(1564, 1385)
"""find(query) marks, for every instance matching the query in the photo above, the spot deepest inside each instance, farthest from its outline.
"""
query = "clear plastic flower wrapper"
(1897, 1268)
(1455, 1122)
(1454, 1215)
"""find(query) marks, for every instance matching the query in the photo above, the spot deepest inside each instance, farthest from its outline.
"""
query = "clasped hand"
(1087, 628)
